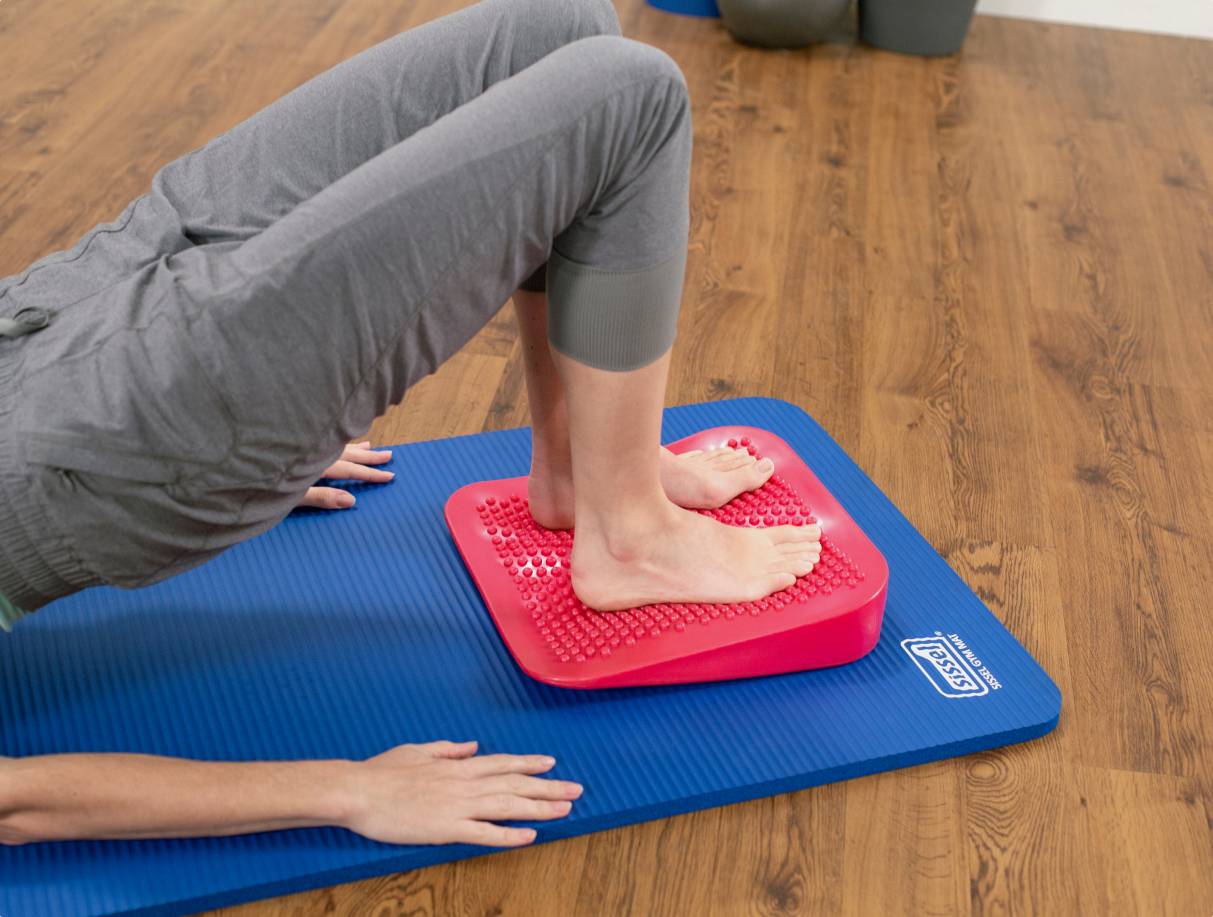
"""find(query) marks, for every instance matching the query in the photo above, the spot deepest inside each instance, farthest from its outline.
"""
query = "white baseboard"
(1169, 17)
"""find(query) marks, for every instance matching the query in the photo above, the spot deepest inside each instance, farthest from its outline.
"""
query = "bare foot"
(706, 480)
(696, 480)
(690, 557)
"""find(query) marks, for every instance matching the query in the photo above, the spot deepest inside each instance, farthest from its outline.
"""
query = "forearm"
(60, 797)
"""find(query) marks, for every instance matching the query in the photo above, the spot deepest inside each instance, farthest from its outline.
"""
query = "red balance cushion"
(829, 617)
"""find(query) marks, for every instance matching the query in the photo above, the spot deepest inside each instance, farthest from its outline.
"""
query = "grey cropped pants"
(211, 351)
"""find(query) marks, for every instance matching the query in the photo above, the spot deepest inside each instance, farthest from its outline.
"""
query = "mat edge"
(702, 802)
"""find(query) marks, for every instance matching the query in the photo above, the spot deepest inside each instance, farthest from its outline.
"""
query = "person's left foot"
(694, 480)
(706, 480)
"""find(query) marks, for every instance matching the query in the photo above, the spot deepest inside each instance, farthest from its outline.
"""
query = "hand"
(439, 793)
(351, 465)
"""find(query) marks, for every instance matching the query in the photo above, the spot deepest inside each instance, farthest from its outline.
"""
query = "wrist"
(337, 798)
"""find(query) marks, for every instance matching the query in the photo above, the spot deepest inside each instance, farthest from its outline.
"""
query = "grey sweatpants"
(211, 351)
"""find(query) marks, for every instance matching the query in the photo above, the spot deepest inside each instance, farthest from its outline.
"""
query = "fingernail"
(547, 760)
(345, 501)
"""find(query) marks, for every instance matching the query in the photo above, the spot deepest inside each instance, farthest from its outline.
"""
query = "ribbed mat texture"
(342, 634)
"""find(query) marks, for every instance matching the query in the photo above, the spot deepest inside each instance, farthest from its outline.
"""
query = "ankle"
(550, 447)
(549, 463)
(626, 529)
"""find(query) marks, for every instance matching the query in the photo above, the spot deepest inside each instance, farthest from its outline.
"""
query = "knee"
(595, 17)
(575, 18)
(631, 60)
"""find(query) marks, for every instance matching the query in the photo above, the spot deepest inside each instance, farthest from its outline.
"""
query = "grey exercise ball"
(780, 23)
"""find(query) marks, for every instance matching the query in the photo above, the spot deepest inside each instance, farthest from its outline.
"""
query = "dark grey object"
(927, 27)
(780, 23)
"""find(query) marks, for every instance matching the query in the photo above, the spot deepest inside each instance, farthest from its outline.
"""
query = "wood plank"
(988, 276)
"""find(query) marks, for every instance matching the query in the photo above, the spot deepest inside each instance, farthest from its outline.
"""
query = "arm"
(419, 794)
(57, 797)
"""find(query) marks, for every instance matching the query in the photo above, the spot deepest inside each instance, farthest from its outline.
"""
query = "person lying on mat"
(178, 381)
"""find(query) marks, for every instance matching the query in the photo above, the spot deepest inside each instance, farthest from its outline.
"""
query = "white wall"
(1173, 17)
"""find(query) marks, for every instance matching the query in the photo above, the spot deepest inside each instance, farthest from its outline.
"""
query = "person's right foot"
(690, 557)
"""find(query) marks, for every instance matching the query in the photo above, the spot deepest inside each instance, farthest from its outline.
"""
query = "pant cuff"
(610, 319)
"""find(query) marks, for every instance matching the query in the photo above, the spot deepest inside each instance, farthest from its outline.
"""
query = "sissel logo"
(950, 665)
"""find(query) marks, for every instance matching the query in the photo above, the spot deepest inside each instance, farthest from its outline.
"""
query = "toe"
(791, 547)
(804, 564)
(780, 581)
(735, 458)
(797, 558)
(793, 533)
(798, 563)
(759, 473)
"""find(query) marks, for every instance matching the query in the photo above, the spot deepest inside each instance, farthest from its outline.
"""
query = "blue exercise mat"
(342, 634)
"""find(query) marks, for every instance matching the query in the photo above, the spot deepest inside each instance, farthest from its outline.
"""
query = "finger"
(368, 458)
(479, 832)
(343, 470)
(487, 765)
(446, 749)
(327, 498)
(508, 807)
(366, 455)
(531, 787)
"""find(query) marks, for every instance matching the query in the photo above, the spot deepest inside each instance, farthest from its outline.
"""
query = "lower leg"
(699, 480)
(550, 485)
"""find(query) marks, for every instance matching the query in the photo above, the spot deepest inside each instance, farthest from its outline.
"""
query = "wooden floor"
(989, 277)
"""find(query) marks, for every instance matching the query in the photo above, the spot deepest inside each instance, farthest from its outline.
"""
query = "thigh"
(248, 177)
(260, 170)
(316, 326)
